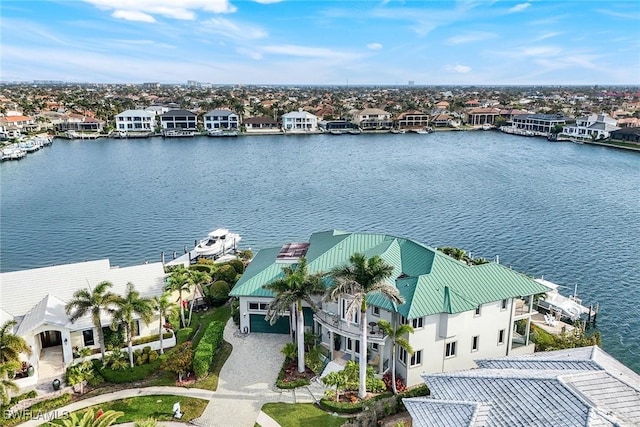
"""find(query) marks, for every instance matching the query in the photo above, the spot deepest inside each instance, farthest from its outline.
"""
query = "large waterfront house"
(574, 387)
(460, 313)
(179, 120)
(373, 119)
(299, 121)
(543, 123)
(36, 300)
(79, 123)
(591, 127)
(221, 119)
(136, 121)
(629, 134)
(261, 124)
(483, 116)
(412, 120)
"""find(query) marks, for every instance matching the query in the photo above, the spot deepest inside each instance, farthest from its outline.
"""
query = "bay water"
(568, 212)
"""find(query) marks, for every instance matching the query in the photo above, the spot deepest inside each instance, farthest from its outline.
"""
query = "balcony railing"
(333, 322)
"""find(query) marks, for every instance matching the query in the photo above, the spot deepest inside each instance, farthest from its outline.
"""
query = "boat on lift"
(217, 243)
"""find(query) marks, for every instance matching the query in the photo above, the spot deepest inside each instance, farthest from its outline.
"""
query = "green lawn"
(158, 407)
(203, 319)
(301, 415)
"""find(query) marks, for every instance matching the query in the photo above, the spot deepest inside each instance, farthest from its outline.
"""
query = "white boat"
(397, 131)
(568, 307)
(222, 132)
(218, 242)
(487, 126)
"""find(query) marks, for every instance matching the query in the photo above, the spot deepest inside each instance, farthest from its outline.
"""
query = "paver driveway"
(246, 379)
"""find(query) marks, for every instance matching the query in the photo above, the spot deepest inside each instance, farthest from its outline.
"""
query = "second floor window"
(450, 349)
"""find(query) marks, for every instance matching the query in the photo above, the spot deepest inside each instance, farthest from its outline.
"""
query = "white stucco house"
(460, 313)
(36, 300)
(591, 127)
(221, 119)
(131, 121)
(299, 122)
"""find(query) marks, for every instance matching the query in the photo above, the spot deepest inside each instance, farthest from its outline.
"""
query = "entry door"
(51, 338)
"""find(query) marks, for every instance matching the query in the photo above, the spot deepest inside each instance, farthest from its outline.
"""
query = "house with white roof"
(132, 121)
(460, 313)
(299, 121)
(578, 387)
(36, 300)
(591, 127)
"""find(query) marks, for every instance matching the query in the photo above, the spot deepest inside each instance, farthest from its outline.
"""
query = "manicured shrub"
(153, 356)
(218, 292)
(341, 407)
(226, 273)
(237, 265)
(151, 338)
(146, 349)
(203, 355)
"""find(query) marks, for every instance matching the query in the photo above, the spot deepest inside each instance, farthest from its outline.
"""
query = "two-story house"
(299, 121)
(136, 121)
(591, 127)
(222, 120)
(460, 313)
(373, 119)
(179, 122)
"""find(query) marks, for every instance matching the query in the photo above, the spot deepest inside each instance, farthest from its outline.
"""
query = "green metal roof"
(429, 281)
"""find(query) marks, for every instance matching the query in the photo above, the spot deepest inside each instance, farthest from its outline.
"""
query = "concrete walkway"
(247, 381)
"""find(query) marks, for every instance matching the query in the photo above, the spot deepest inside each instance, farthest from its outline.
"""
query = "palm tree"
(91, 419)
(180, 280)
(296, 286)
(125, 308)
(198, 278)
(94, 302)
(162, 305)
(11, 345)
(6, 385)
(355, 281)
(397, 339)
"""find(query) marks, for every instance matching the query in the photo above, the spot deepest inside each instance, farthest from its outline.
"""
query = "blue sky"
(322, 42)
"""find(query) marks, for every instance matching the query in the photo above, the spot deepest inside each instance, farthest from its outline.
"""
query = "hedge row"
(203, 355)
(151, 338)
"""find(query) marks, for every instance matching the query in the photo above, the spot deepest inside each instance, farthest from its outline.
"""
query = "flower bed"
(289, 377)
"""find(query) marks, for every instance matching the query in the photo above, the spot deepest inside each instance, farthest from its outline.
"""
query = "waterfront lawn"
(159, 407)
(301, 415)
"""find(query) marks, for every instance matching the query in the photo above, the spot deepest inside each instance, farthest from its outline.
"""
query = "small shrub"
(341, 407)
(146, 349)
(153, 356)
(226, 273)
(237, 265)
(218, 292)
(17, 399)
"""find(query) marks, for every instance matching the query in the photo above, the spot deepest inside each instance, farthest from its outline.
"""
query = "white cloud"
(519, 7)
(627, 14)
(305, 51)
(540, 51)
(133, 15)
(144, 10)
(547, 36)
(458, 68)
(471, 37)
(374, 46)
(233, 30)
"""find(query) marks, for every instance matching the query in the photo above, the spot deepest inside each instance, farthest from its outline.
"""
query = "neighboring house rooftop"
(574, 387)
(223, 113)
(174, 113)
(429, 281)
(22, 291)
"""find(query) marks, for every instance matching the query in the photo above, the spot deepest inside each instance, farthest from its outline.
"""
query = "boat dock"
(567, 308)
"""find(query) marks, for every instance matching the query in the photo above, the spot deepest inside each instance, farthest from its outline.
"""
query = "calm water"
(568, 212)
